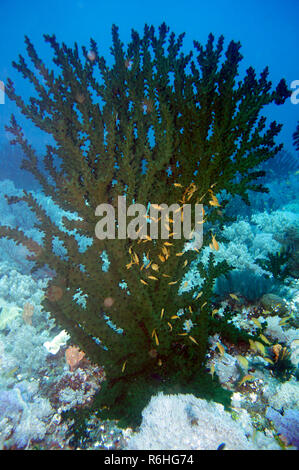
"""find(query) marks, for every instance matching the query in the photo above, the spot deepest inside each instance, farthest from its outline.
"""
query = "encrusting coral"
(158, 126)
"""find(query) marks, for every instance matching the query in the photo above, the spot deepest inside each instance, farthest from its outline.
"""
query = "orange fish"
(214, 201)
(214, 245)
(194, 340)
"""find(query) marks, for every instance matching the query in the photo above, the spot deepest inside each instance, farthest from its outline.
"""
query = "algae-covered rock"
(274, 304)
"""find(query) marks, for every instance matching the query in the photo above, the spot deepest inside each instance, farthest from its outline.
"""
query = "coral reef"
(247, 246)
(153, 120)
(172, 422)
(22, 413)
(58, 389)
(287, 424)
(283, 396)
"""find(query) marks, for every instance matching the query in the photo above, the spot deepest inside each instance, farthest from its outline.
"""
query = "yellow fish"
(147, 238)
(190, 309)
(257, 346)
(214, 201)
(174, 316)
(156, 339)
(154, 335)
(165, 252)
(190, 195)
(144, 282)
(246, 378)
(201, 198)
(233, 296)
(284, 320)
(268, 360)
(177, 185)
(214, 245)
(243, 361)
(265, 339)
(153, 278)
(148, 265)
(179, 254)
(172, 283)
(136, 259)
(161, 258)
(260, 348)
(162, 313)
(185, 263)
(256, 322)
(221, 348)
(215, 311)
(212, 370)
(198, 295)
(194, 340)
(170, 325)
(124, 366)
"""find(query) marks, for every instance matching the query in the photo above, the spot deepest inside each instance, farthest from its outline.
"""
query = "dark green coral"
(150, 125)
(277, 264)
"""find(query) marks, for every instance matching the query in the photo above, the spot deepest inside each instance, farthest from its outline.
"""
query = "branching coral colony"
(157, 126)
